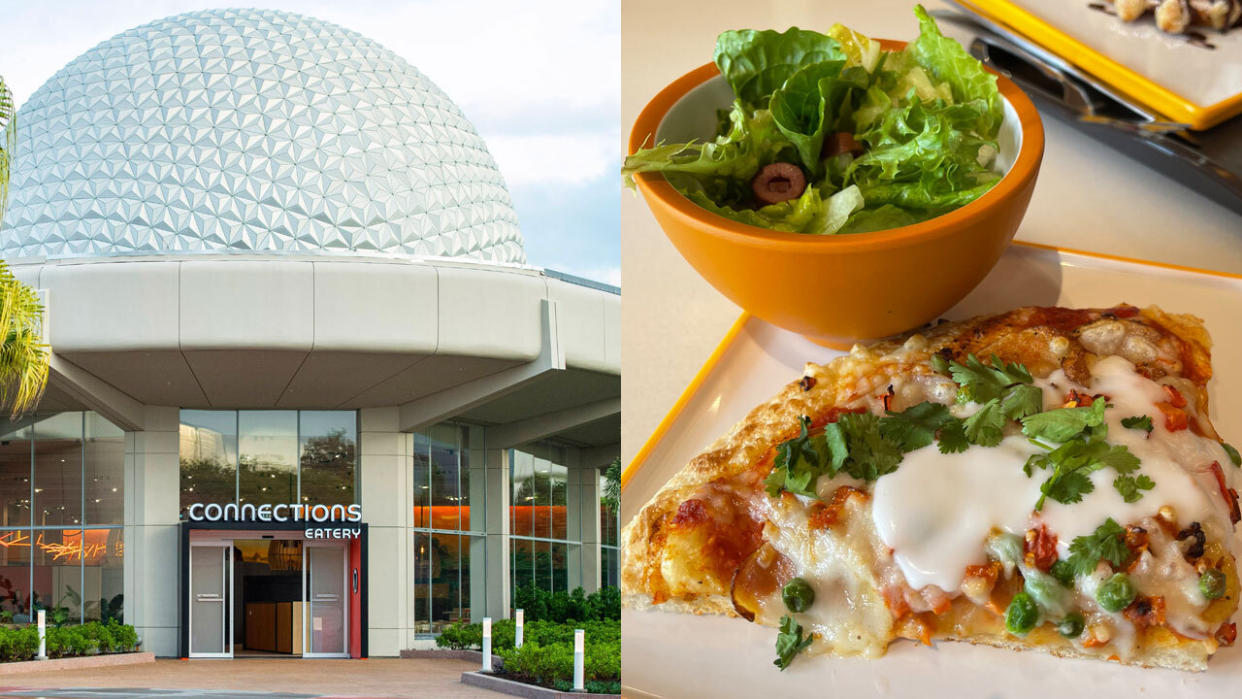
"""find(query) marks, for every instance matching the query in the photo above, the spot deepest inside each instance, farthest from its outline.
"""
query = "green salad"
(832, 134)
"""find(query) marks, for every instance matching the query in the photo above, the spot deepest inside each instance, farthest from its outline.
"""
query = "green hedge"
(552, 664)
(542, 605)
(547, 653)
(22, 643)
(461, 636)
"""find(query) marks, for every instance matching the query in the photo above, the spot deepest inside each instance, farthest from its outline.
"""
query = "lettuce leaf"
(757, 63)
(753, 140)
(814, 102)
(945, 60)
(920, 158)
(881, 218)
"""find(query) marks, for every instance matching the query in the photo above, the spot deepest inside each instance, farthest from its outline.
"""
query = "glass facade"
(609, 537)
(449, 529)
(268, 456)
(540, 542)
(61, 543)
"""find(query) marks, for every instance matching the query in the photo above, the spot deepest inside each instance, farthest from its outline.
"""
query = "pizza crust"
(1042, 339)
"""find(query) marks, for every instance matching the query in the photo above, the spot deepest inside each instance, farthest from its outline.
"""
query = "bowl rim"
(654, 184)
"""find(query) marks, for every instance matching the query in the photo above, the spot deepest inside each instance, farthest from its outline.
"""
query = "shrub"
(550, 664)
(66, 641)
(542, 605)
(460, 636)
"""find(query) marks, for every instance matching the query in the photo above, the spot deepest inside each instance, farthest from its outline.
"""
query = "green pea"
(1063, 572)
(1072, 625)
(1212, 583)
(798, 595)
(1116, 593)
(1022, 614)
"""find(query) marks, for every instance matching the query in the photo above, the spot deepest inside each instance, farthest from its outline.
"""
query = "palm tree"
(23, 355)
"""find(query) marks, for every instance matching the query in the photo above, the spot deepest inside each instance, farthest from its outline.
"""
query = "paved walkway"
(259, 678)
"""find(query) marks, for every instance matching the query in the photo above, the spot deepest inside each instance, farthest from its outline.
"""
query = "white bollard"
(517, 633)
(579, 658)
(487, 644)
(42, 634)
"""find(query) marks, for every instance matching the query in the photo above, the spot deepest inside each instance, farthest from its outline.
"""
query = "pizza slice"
(1042, 479)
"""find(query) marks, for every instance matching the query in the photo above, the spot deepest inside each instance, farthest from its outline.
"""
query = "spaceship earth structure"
(251, 131)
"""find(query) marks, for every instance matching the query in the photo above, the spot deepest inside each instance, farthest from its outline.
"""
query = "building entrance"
(271, 594)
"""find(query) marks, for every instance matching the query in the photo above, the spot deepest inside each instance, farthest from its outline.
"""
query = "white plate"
(676, 655)
(1201, 75)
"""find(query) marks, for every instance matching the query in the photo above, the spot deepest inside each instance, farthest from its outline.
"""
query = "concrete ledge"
(474, 656)
(521, 689)
(79, 663)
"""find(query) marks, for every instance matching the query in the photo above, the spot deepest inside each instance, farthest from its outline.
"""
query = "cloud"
(555, 160)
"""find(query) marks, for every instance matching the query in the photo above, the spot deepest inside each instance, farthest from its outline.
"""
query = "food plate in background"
(680, 655)
(1182, 80)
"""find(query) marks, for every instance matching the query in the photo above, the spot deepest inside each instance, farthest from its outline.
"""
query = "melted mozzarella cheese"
(936, 511)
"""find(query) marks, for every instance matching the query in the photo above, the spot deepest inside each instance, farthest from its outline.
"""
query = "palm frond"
(24, 356)
(8, 142)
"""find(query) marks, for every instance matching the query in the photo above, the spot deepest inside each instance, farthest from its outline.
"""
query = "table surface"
(1088, 197)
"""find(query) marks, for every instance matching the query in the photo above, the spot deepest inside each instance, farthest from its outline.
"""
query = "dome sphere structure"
(251, 131)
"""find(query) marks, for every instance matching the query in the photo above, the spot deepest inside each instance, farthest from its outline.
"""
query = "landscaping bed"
(92, 638)
(546, 658)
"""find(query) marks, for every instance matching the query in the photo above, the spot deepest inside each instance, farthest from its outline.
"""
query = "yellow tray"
(681, 655)
(1180, 81)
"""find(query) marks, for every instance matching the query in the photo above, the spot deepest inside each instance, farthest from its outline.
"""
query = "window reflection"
(58, 470)
(56, 573)
(328, 456)
(267, 471)
(104, 455)
(51, 557)
(103, 572)
(268, 457)
(15, 574)
(208, 457)
(15, 479)
(449, 516)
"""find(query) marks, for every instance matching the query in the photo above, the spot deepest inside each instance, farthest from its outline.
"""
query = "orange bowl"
(838, 289)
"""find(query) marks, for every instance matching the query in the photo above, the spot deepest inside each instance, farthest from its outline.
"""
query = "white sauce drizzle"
(936, 511)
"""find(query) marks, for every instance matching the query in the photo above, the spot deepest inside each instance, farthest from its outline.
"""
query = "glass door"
(211, 577)
(327, 604)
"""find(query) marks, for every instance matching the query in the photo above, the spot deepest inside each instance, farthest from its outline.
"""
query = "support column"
(479, 514)
(583, 520)
(385, 467)
(499, 578)
(152, 534)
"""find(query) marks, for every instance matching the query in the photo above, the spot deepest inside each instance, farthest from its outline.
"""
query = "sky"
(540, 81)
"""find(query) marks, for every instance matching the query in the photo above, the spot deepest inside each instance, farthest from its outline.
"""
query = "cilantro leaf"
(799, 463)
(1067, 487)
(1107, 543)
(1063, 424)
(1234, 457)
(1129, 486)
(870, 454)
(953, 438)
(981, 383)
(1022, 400)
(789, 642)
(1074, 461)
(986, 427)
(1137, 422)
(916, 426)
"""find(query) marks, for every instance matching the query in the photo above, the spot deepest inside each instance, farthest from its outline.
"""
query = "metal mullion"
(237, 457)
(30, 563)
(82, 540)
(297, 454)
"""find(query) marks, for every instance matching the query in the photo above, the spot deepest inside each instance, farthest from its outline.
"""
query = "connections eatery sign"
(322, 521)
